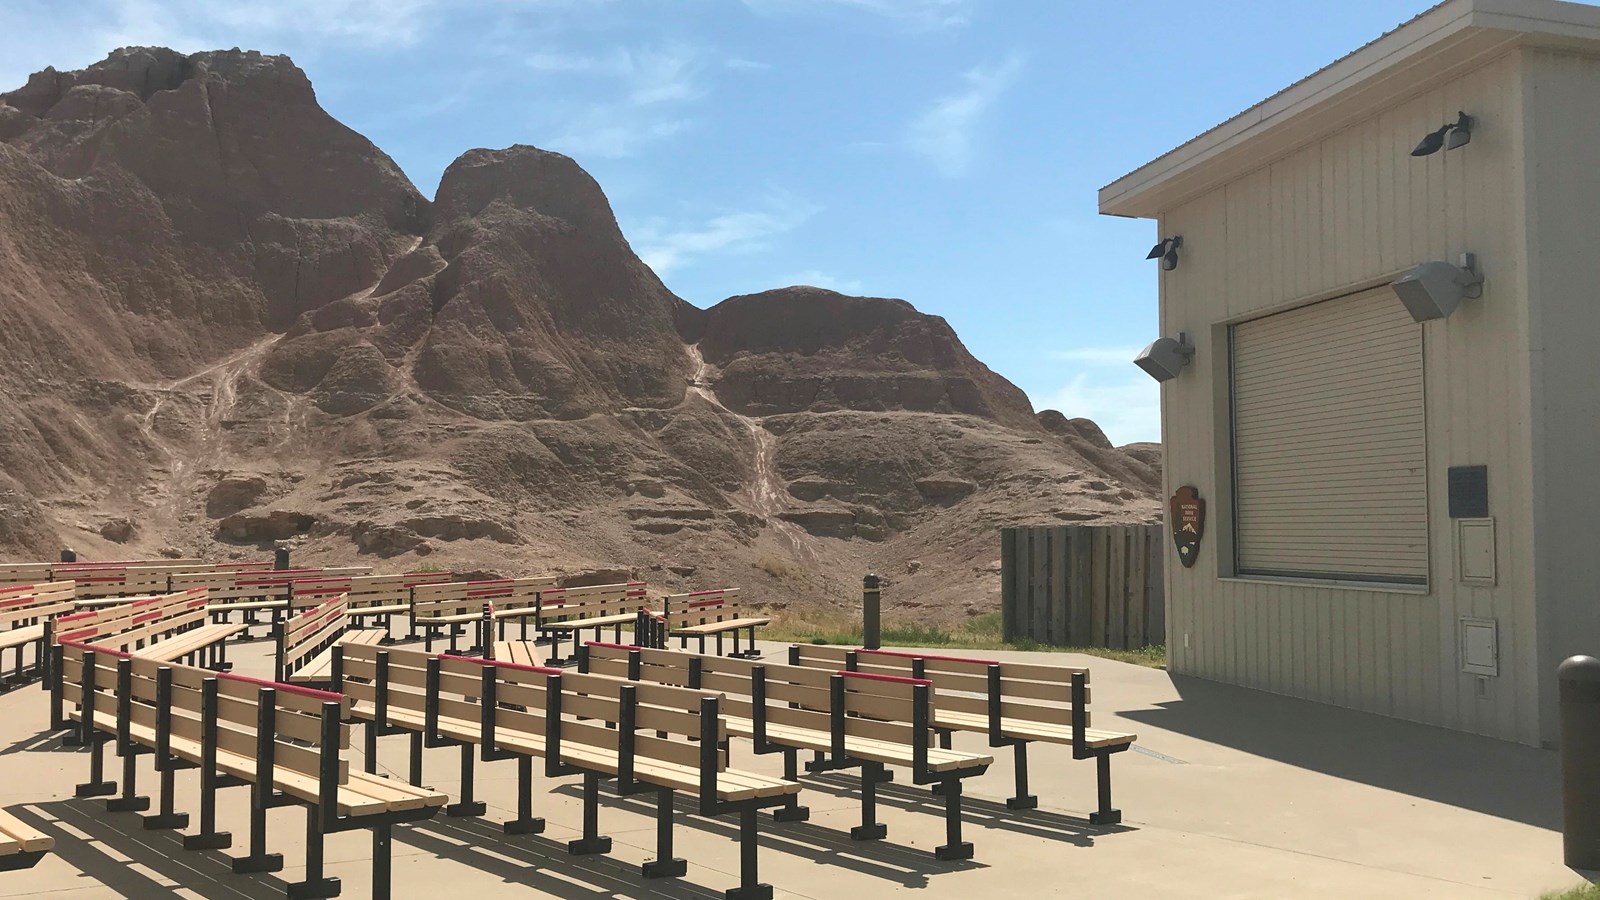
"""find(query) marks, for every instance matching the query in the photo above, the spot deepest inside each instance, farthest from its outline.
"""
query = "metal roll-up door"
(1329, 443)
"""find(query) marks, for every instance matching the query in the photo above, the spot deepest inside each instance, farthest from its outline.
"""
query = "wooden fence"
(1083, 585)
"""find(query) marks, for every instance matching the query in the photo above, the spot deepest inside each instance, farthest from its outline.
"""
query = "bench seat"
(1029, 730)
(516, 612)
(217, 606)
(886, 752)
(397, 609)
(21, 637)
(732, 785)
(715, 627)
(16, 837)
(591, 622)
(187, 642)
(523, 653)
(320, 667)
(360, 795)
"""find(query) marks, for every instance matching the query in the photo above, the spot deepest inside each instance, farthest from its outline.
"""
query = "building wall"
(1561, 96)
(1345, 213)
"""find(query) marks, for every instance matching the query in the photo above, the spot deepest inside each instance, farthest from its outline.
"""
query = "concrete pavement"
(1229, 793)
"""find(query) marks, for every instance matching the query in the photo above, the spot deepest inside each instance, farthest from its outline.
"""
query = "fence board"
(1083, 585)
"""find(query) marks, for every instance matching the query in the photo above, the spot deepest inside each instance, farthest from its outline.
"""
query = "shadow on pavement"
(1482, 774)
(111, 849)
(907, 866)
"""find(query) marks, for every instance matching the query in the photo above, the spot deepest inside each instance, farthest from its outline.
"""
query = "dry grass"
(977, 633)
(1581, 892)
(779, 568)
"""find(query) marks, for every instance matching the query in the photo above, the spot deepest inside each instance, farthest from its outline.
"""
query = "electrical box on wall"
(1475, 551)
(1479, 646)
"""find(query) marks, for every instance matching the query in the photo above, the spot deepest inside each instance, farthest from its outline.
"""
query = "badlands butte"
(227, 319)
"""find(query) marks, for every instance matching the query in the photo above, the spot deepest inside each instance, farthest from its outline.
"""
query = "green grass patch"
(978, 633)
(1581, 892)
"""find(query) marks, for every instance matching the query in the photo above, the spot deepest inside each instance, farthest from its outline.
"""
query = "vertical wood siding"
(1346, 211)
(1083, 585)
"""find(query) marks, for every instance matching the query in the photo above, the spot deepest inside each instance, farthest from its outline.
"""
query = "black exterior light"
(1449, 136)
(1167, 252)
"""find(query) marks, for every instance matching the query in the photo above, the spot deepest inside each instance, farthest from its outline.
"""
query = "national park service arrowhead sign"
(1188, 524)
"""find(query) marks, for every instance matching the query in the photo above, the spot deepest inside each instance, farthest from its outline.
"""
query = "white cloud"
(613, 132)
(746, 64)
(1099, 356)
(1126, 407)
(665, 246)
(652, 85)
(816, 278)
(922, 14)
(945, 132)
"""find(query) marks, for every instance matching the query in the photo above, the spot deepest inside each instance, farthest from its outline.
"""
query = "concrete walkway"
(1229, 793)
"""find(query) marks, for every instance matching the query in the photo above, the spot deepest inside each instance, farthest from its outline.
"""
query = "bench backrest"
(24, 573)
(137, 620)
(665, 719)
(881, 707)
(301, 637)
(559, 604)
(25, 605)
(280, 725)
(365, 591)
(702, 608)
(269, 584)
(1025, 691)
(433, 601)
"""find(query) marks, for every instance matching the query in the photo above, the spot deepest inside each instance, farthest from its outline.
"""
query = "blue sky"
(943, 151)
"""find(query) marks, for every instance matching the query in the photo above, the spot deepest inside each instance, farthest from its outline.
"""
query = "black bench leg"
(870, 828)
(130, 801)
(316, 887)
(259, 860)
(380, 861)
(719, 643)
(791, 811)
(749, 887)
(665, 865)
(167, 818)
(97, 785)
(416, 759)
(467, 806)
(427, 638)
(525, 822)
(1023, 800)
(736, 652)
(592, 841)
(455, 633)
(947, 739)
(369, 749)
(209, 837)
(1106, 814)
(954, 847)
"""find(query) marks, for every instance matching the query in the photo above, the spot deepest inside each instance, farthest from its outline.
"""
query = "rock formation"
(229, 319)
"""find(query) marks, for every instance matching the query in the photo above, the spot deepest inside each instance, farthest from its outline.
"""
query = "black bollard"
(869, 612)
(69, 555)
(280, 557)
(1579, 685)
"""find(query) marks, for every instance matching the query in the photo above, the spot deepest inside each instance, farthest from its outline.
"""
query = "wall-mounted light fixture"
(1167, 252)
(1165, 357)
(1449, 136)
(1433, 290)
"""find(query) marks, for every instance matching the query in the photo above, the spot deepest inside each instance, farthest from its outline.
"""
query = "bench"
(25, 611)
(166, 628)
(305, 642)
(13, 574)
(371, 596)
(251, 592)
(454, 604)
(705, 614)
(21, 845)
(281, 740)
(848, 719)
(138, 577)
(569, 610)
(1012, 704)
(641, 735)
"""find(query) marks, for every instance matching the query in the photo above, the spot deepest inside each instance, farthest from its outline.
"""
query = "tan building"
(1402, 512)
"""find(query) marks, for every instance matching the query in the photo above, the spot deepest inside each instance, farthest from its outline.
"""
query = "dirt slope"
(230, 320)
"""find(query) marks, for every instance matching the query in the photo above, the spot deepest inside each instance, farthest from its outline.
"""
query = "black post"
(869, 612)
(1579, 689)
(280, 557)
(69, 555)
